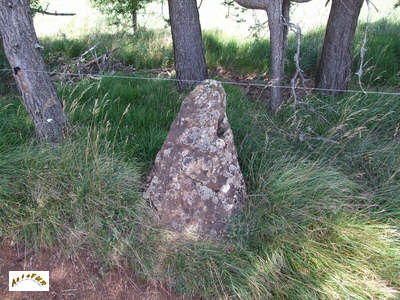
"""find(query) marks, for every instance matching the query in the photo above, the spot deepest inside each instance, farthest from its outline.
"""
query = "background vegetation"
(322, 220)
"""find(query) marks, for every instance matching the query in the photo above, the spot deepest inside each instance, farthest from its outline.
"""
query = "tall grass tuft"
(305, 238)
(79, 194)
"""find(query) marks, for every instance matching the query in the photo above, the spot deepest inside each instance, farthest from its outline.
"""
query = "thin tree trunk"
(22, 49)
(278, 14)
(190, 63)
(334, 69)
(134, 16)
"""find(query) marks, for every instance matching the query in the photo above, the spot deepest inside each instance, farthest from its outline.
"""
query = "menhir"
(196, 184)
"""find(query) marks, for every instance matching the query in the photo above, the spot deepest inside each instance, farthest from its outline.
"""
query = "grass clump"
(79, 194)
(304, 239)
(75, 194)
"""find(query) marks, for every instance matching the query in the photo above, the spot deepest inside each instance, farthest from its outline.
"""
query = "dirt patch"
(75, 278)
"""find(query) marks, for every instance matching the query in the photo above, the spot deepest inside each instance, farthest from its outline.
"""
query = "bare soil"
(79, 277)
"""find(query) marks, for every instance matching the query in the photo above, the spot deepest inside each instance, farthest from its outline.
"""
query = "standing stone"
(196, 183)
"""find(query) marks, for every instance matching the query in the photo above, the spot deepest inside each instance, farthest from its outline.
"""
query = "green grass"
(383, 53)
(323, 214)
(321, 221)
(147, 49)
(382, 56)
(127, 107)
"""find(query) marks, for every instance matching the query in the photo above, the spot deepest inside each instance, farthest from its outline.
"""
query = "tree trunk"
(334, 70)
(134, 21)
(278, 18)
(190, 63)
(278, 14)
(134, 16)
(22, 50)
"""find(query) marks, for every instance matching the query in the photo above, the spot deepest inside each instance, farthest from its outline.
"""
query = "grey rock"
(196, 184)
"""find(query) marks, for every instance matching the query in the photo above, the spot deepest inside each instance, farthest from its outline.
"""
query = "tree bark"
(278, 14)
(134, 16)
(334, 69)
(134, 21)
(190, 63)
(22, 50)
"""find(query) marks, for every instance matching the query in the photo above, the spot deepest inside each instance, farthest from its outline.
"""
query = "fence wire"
(238, 83)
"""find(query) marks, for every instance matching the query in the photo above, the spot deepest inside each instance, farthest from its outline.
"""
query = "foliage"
(234, 11)
(37, 5)
(121, 11)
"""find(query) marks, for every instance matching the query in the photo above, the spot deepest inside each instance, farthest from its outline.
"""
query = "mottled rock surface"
(196, 183)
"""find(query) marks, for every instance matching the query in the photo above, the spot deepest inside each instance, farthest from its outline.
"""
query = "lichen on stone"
(196, 184)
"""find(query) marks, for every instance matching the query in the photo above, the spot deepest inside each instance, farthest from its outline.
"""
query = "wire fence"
(237, 83)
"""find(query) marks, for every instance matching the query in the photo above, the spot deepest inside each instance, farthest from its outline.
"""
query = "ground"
(78, 278)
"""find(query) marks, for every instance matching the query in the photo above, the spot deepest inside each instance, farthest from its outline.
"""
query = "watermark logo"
(28, 281)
